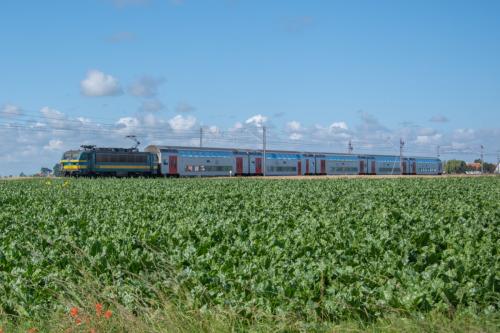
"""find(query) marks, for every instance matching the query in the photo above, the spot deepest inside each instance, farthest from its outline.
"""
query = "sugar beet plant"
(314, 249)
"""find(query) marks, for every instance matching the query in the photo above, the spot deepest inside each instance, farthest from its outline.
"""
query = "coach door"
(373, 168)
(258, 165)
(239, 165)
(414, 167)
(362, 167)
(307, 166)
(299, 167)
(323, 167)
(172, 164)
(404, 168)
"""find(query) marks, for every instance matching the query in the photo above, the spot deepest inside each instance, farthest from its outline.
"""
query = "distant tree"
(57, 170)
(455, 166)
(22, 174)
(487, 167)
(45, 171)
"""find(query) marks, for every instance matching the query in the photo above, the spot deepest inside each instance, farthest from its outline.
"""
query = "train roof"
(158, 148)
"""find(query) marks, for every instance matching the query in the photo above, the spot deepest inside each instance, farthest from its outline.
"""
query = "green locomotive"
(114, 162)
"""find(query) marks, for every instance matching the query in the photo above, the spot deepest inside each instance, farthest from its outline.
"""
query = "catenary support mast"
(401, 145)
(264, 149)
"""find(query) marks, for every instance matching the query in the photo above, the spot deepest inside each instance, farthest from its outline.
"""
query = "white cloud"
(146, 86)
(214, 130)
(338, 126)
(98, 83)
(55, 118)
(293, 126)
(464, 134)
(180, 122)
(54, 145)
(257, 120)
(237, 126)
(295, 136)
(128, 126)
(10, 110)
(184, 107)
(428, 139)
(84, 120)
(50, 113)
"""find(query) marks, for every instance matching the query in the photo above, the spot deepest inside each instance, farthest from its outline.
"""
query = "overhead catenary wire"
(241, 136)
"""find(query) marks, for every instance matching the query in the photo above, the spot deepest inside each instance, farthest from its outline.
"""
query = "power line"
(244, 135)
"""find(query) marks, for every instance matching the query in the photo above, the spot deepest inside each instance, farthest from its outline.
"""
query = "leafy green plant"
(318, 250)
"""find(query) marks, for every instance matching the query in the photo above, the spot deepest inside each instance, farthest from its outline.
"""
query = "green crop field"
(309, 253)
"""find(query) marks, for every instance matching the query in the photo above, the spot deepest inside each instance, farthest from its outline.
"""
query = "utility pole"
(349, 147)
(264, 148)
(498, 161)
(438, 151)
(401, 145)
(482, 162)
(201, 136)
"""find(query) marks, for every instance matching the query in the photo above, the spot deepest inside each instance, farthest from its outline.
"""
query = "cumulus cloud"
(128, 126)
(146, 86)
(258, 120)
(152, 105)
(179, 122)
(295, 136)
(10, 110)
(439, 119)
(55, 118)
(293, 126)
(294, 130)
(463, 134)
(54, 145)
(184, 107)
(237, 126)
(429, 139)
(338, 126)
(98, 83)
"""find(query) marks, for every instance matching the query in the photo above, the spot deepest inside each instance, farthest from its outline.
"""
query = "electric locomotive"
(114, 162)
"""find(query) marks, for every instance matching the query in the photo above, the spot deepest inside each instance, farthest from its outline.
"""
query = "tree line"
(459, 166)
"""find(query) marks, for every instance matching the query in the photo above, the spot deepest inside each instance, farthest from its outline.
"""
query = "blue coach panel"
(339, 164)
(281, 164)
(388, 165)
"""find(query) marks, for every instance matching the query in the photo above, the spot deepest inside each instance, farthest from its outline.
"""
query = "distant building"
(474, 166)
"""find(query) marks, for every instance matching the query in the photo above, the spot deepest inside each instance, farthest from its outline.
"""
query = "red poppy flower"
(98, 309)
(78, 321)
(33, 330)
(73, 312)
(108, 314)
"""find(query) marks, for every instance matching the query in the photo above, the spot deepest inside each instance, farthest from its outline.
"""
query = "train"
(179, 161)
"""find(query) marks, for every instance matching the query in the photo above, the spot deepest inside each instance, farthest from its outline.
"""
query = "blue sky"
(317, 73)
